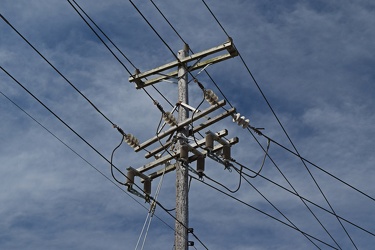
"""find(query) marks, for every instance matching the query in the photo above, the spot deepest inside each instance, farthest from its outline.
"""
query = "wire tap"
(119, 130)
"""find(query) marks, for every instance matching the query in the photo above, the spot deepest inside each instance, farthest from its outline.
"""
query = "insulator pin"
(131, 140)
(241, 121)
(169, 119)
(210, 96)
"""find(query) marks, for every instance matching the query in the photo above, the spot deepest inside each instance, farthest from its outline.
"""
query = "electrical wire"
(282, 127)
(59, 72)
(82, 139)
(272, 217)
(169, 210)
(290, 184)
(62, 121)
(174, 217)
(269, 202)
(261, 167)
(113, 152)
(305, 199)
(204, 69)
(110, 40)
(218, 183)
(319, 168)
(80, 156)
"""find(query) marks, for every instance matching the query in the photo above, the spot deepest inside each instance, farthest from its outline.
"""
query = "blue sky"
(313, 60)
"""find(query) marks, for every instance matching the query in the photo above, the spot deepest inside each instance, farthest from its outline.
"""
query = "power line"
(130, 74)
(109, 49)
(295, 191)
(309, 201)
(178, 34)
(173, 54)
(284, 130)
(250, 206)
(269, 202)
(319, 168)
(62, 121)
(45, 59)
(80, 156)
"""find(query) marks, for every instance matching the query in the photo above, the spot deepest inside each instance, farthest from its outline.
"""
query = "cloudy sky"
(313, 62)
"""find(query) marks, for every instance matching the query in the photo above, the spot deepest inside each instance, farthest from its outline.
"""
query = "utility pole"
(182, 199)
(179, 132)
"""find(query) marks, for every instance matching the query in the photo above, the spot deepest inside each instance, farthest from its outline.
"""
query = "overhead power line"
(62, 121)
(59, 72)
(259, 210)
(114, 45)
(183, 40)
(284, 130)
(80, 156)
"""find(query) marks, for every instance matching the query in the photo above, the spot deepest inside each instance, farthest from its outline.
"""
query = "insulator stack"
(169, 119)
(131, 140)
(210, 96)
(241, 121)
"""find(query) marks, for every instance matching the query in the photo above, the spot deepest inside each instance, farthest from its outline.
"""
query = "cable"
(319, 168)
(76, 153)
(269, 202)
(217, 21)
(62, 121)
(290, 184)
(113, 152)
(261, 167)
(96, 169)
(104, 43)
(250, 206)
(192, 233)
(218, 183)
(284, 130)
(45, 59)
(204, 69)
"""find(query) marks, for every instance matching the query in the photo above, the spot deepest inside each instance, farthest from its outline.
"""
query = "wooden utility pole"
(181, 224)
(181, 132)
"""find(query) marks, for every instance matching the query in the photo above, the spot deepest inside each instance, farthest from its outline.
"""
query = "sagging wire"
(261, 167)
(231, 191)
(111, 161)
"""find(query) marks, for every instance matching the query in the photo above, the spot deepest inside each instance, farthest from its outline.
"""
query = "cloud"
(313, 62)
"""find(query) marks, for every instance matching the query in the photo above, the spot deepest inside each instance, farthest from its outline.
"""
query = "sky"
(313, 65)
